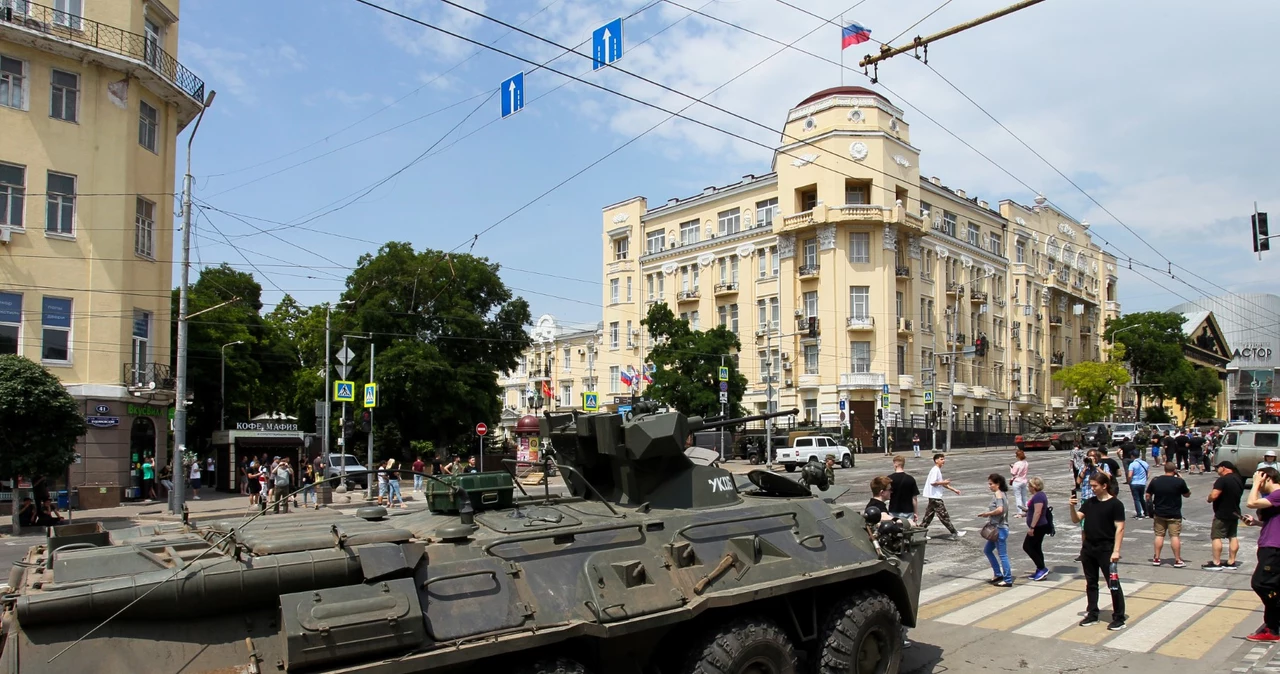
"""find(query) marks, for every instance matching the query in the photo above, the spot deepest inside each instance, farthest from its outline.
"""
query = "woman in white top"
(1018, 480)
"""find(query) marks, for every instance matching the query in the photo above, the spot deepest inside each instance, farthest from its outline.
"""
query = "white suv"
(813, 448)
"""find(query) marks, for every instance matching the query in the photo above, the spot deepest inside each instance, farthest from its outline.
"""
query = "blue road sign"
(724, 386)
(606, 44)
(928, 397)
(370, 395)
(512, 91)
(884, 389)
(724, 374)
(842, 403)
(344, 391)
(591, 401)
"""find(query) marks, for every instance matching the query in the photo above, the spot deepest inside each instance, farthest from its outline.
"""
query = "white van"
(1244, 445)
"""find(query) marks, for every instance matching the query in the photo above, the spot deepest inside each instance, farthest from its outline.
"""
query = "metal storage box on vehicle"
(486, 491)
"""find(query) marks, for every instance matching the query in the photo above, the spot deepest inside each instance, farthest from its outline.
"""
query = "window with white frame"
(696, 276)
(775, 313)
(722, 313)
(615, 375)
(730, 221)
(733, 318)
(899, 303)
(859, 357)
(859, 247)
(68, 13)
(860, 302)
(144, 228)
(630, 332)
(693, 320)
(628, 289)
(10, 322)
(776, 261)
(1020, 251)
(762, 264)
(856, 193)
(762, 315)
(614, 285)
(995, 243)
(689, 232)
(60, 214)
(811, 253)
(733, 269)
(613, 335)
(949, 223)
(974, 233)
(13, 179)
(655, 241)
(648, 282)
(621, 247)
(567, 360)
(684, 279)
(148, 125)
(64, 95)
(13, 83)
(141, 343)
(153, 41)
(766, 211)
(662, 283)
(811, 359)
(723, 263)
(566, 393)
(810, 303)
(55, 322)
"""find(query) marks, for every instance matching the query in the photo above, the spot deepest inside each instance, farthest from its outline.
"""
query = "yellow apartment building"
(91, 104)
(848, 277)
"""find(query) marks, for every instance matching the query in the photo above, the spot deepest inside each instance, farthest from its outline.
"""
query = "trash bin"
(92, 496)
(64, 500)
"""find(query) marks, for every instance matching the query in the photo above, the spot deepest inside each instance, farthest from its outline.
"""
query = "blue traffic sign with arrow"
(606, 44)
(512, 91)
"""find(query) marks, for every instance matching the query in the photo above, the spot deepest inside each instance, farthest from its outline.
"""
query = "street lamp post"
(222, 423)
(180, 404)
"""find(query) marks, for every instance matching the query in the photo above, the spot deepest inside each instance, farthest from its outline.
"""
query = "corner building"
(91, 104)
(843, 272)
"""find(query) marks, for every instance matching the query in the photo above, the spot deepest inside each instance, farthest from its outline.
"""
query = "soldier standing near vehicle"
(829, 468)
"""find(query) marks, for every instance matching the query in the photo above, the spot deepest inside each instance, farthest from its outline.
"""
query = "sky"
(338, 127)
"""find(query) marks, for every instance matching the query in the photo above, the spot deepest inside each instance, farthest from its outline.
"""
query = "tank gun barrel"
(699, 424)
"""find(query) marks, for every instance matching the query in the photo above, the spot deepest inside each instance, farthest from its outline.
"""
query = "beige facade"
(844, 272)
(91, 102)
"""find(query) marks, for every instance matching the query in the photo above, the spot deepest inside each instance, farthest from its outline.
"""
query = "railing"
(148, 376)
(978, 295)
(954, 288)
(804, 218)
(722, 288)
(808, 270)
(902, 272)
(802, 326)
(862, 380)
(957, 338)
(1057, 359)
(1086, 330)
(904, 324)
(688, 295)
(1055, 320)
(65, 26)
(860, 322)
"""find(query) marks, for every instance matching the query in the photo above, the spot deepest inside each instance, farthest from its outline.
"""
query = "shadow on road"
(922, 658)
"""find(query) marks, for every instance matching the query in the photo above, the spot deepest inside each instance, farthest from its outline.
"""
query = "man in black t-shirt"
(905, 491)
(1195, 444)
(1103, 517)
(1225, 497)
(880, 488)
(1165, 494)
(1181, 447)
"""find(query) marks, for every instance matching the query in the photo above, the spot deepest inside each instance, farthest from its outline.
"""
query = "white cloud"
(222, 69)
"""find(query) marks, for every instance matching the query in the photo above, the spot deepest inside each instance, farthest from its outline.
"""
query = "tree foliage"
(1195, 389)
(1095, 384)
(40, 420)
(1156, 414)
(688, 364)
(1152, 342)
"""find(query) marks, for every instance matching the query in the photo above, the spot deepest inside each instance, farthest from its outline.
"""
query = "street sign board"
(884, 389)
(724, 386)
(724, 374)
(928, 397)
(884, 401)
(512, 91)
(481, 428)
(344, 391)
(842, 405)
(345, 355)
(343, 370)
(606, 44)
(591, 401)
(370, 395)
(724, 397)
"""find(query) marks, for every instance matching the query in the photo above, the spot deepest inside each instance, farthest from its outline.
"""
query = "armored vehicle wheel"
(863, 635)
(1055, 446)
(554, 666)
(753, 459)
(744, 646)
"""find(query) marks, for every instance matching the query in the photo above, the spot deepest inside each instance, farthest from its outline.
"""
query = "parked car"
(813, 448)
(1122, 432)
(1245, 445)
(1095, 435)
(1165, 428)
(334, 467)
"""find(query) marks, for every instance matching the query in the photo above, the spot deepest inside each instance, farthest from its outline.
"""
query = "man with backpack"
(282, 478)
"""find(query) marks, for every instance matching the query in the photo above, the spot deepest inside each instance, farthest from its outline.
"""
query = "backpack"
(1048, 514)
(282, 477)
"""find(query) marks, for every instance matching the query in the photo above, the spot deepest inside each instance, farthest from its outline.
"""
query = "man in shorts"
(1225, 497)
(1166, 493)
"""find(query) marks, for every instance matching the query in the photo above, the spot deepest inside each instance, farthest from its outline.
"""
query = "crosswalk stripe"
(1145, 635)
(1196, 640)
(1135, 608)
(931, 594)
(945, 606)
(1242, 599)
(1062, 618)
(994, 605)
(1022, 614)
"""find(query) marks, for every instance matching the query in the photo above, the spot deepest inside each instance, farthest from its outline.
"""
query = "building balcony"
(906, 382)
(688, 295)
(807, 331)
(979, 392)
(1085, 330)
(797, 221)
(904, 326)
(76, 37)
(540, 374)
(1058, 402)
(1055, 321)
(978, 295)
(861, 381)
(619, 266)
(808, 271)
(722, 289)
(1113, 307)
(1027, 400)
(860, 323)
(957, 339)
(148, 377)
(1000, 302)
(1057, 359)
(954, 288)
(809, 381)
(823, 214)
(958, 389)
(926, 276)
(902, 272)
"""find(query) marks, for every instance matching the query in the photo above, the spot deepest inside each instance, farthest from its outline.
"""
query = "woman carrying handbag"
(996, 531)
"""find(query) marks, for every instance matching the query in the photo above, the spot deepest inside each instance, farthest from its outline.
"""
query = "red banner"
(1273, 406)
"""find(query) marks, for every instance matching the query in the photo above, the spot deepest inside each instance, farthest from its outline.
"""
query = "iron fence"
(149, 376)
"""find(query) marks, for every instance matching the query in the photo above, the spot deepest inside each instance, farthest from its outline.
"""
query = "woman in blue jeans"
(997, 515)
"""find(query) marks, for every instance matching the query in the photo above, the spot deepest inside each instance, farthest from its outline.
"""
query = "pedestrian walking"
(1102, 519)
(1155, 450)
(1138, 473)
(903, 500)
(1195, 450)
(393, 485)
(1111, 467)
(915, 444)
(244, 476)
(1018, 479)
(209, 466)
(419, 467)
(1225, 497)
(1165, 494)
(308, 484)
(1039, 525)
(996, 531)
(148, 479)
(1181, 449)
(384, 487)
(194, 474)
(1264, 497)
(934, 486)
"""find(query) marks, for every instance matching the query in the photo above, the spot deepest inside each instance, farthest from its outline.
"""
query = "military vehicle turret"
(656, 560)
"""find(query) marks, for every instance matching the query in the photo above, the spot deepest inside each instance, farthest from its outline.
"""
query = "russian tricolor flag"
(626, 377)
(853, 34)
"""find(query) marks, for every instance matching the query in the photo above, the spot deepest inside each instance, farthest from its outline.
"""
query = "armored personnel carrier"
(655, 561)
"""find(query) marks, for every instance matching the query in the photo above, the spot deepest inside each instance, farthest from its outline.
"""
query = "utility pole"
(184, 288)
(369, 465)
(328, 388)
(222, 423)
(768, 395)
(723, 415)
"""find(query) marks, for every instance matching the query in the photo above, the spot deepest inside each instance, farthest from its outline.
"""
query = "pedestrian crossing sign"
(344, 391)
(591, 401)
(370, 395)
(884, 401)
(928, 397)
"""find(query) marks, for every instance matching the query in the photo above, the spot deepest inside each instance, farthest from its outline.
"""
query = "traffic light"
(348, 427)
(1260, 233)
(366, 421)
(813, 327)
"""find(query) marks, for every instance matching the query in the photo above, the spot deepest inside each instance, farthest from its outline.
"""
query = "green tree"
(40, 420)
(1095, 384)
(1195, 389)
(688, 364)
(1152, 342)
(1156, 414)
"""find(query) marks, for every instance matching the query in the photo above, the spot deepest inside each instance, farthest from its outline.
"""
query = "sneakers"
(1263, 635)
(1116, 625)
(1179, 564)
(1003, 583)
(1210, 566)
(1089, 620)
(1155, 561)
(1040, 575)
(959, 534)
(1230, 566)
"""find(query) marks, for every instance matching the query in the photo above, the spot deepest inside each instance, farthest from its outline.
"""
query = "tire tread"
(720, 646)
(843, 624)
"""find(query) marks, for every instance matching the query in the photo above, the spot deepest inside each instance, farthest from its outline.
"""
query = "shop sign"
(102, 422)
(1273, 406)
(1260, 351)
(277, 426)
(149, 411)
